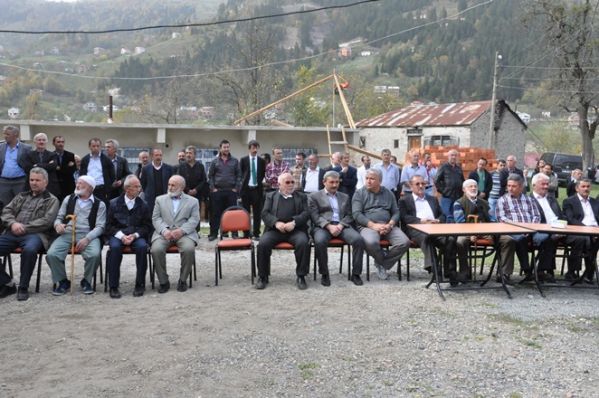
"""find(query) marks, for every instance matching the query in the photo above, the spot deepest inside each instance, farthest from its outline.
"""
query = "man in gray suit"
(330, 211)
(12, 164)
(175, 218)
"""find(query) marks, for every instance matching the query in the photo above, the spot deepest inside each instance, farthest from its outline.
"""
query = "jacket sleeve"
(202, 181)
(157, 220)
(569, 213)
(301, 220)
(190, 226)
(44, 223)
(314, 209)
(347, 219)
(112, 223)
(407, 218)
(267, 216)
(459, 215)
(357, 207)
(211, 172)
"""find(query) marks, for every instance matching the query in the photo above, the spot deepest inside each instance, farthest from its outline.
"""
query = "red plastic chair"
(234, 219)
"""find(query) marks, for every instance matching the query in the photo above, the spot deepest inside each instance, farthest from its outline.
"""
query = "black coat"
(407, 209)
(122, 171)
(120, 218)
(107, 170)
(195, 178)
(271, 205)
(449, 181)
(148, 184)
(574, 212)
(554, 206)
(48, 162)
(244, 165)
(348, 181)
(64, 170)
(488, 182)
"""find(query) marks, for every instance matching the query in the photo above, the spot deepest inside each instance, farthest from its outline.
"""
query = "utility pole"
(493, 99)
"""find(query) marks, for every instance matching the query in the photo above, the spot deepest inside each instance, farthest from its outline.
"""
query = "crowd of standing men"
(52, 200)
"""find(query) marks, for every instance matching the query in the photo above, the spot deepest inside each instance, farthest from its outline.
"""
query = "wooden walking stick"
(74, 218)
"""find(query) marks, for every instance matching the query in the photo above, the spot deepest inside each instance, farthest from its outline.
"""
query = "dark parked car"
(563, 164)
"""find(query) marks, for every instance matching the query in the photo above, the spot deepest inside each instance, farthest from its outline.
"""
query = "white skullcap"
(89, 181)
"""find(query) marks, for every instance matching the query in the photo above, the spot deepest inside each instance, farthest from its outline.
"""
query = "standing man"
(194, 174)
(252, 192)
(41, 157)
(298, 170)
(91, 219)
(274, 169)
(581, 209)
(375, 211)
(175, 218)
(65, 168)
(28, 221)
(575, 175)
(495, 189)
(483, 178)
(97, 165)
(348, 177)
(420, 208)
(414, 168)
(128, 224)
(510, 168)
(224, 178)
(330, 211)
(144, 160)
(154, 178)
(12, 165)
(285, 217)
(389, 171)
(361, 173)
(120, 165)
(450, 178)
(312, 179)
(553, 183)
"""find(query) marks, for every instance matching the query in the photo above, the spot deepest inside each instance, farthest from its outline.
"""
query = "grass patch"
(509, 319)
(531, 344)
(307, 369)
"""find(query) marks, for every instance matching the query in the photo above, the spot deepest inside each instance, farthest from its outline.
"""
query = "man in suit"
(420, 208)
(348, 177)
(175, 218)
(581, 209)
(510, 168)
(154, 178)
(550, 212)
(65, 168)
(330, 211)
(12, 165)
(144, 160)
(285, 215)
(41, 157)
(100, 168)
(575, 175)
(312, 177)
(252, 191)
(376, 214)
(483, 178)
(120, 164)
(448, 181)
(129, 223)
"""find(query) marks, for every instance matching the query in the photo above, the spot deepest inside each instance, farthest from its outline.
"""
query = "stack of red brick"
(469, 157)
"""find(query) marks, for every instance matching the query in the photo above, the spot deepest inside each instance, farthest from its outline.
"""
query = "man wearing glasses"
(285, 215)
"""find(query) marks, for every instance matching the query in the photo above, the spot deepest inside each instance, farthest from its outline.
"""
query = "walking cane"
(74, 218)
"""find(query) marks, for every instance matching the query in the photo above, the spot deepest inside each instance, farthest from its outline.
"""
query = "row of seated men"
(286, 215)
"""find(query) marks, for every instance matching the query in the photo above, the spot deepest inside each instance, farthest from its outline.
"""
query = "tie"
(253, 171)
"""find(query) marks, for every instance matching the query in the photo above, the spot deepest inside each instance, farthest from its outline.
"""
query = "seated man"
(550, 211)
(377, 216)
(175, 218)
(129, 223)
(470, 204)
(330, 211)
(285, 215)
(90, 215)
(28, 221)
(515, 206)
(581, 209)
(417, 207)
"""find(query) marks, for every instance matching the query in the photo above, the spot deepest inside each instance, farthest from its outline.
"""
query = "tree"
(569, 36)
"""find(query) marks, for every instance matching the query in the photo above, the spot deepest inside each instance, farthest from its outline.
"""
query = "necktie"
(253, 171)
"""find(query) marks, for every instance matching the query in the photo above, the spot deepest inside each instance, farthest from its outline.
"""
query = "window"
(441, 140)
(395, 143)
(289, 153)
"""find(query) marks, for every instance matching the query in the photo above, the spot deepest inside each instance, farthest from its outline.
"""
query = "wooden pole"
(74, 225)
(348, 115)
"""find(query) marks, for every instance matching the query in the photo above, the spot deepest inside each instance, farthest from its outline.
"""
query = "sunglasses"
(289, 182)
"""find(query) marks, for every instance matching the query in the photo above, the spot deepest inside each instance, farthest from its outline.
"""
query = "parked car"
(563, 164)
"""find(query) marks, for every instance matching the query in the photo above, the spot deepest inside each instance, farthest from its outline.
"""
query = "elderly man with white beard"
(90, 214)
(175, 218)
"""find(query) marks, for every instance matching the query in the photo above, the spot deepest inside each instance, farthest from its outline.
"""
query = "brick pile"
(468, 157)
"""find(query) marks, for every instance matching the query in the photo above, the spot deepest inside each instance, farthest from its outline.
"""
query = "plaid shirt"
(521, 209)
(273, 171)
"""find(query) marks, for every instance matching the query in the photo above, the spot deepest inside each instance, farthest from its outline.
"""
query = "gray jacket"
(22, 151)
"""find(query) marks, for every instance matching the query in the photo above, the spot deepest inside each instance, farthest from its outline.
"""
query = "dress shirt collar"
(285, 196)
(582, 200)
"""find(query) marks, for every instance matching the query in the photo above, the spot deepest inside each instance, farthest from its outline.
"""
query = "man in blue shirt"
(12, 164)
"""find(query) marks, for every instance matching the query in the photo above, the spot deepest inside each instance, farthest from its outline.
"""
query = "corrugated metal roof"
(456, 114)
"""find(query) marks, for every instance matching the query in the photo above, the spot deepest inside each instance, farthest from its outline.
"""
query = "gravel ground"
(384, 339)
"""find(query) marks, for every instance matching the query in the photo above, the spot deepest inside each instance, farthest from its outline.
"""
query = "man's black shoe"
(7, 290)
(357, 280)
(550, 278)
(181, 286)
(570, 276)
(212, 237)
(114, 293)
(301, 283)
(139, 291)
(588, 280)
(325, 280)
(261, 283)
(453, 282)
(528, 278)
(164, 287)
(22, 294)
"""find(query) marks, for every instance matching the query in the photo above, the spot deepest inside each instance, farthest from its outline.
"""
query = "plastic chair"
(234, 219)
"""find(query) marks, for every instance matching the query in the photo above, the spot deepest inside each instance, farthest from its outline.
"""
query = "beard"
(79, 192)
(174, 193)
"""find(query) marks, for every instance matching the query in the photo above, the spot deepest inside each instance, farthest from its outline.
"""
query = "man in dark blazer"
(550, 211)
(481, 172)
(571, 186)
(120, 164)
(154, 178)
(252, 191)
(285, 215)
(100, 168)
(581, 209)
(12, 165)
(65, 168)
(330, 211)
(348, 177)
(129, 223)
(194, 174)
(420, 208)
(41, 157)
(144, 160)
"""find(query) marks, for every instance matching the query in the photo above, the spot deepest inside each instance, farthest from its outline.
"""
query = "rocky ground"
(383, 339)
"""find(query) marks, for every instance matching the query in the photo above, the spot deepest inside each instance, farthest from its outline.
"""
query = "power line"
(270, 64)
(556, 91)
(548, 67)
(194, 24)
